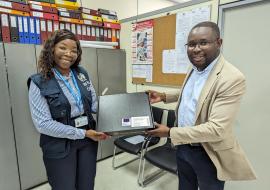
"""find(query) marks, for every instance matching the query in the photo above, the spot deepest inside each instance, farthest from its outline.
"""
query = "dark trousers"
(195, 169)
(76, 171)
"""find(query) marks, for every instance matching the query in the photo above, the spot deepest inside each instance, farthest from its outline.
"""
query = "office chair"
(135, 149)
(163, 157)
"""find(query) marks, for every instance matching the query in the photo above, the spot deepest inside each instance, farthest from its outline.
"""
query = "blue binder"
(20, 26)
(37, 31)
(32, 30)
(26, 29)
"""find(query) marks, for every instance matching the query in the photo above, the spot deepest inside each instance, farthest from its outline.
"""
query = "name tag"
(81, 121)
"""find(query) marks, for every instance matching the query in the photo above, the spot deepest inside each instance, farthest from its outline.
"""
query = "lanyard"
(76, 96)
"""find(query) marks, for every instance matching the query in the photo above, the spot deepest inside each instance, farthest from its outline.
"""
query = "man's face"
(203, 47)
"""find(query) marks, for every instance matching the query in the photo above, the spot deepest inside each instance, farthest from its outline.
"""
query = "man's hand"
(155, 96)
(159, 131)
(96, 136)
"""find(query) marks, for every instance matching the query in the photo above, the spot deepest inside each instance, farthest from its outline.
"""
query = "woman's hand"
(96, 136)
(155, 96)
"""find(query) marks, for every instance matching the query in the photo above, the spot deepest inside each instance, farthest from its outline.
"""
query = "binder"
(112, 17)
(71, 20)
(20, 27)
(62, 25)
(32, 31)
(38, 37)
(105, 34)
(43, 31)
(91, 17)
(112, 25)
(70, 14)
(14, 6)
(1, 39)
(67, 26)
(44, 1)
(43, 4)
(89, 11)
(107, 12)
(118, 38)
(49, 28)
(109, 35)
(13, 12)
(92, 23)
(113, 35)
(101, 33)
(26, 29)
(97, 34)
(93, 33)
(73, 28)
(79, 31)
(55, 25)
(84, 33)
(42, 8)
(110, 20)
(67, 4)
(14, 30)
(88, 32)
(5, 28)
(20, 1)
(48, 16)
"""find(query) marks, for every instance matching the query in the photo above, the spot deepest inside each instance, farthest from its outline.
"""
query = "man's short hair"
(209, 24)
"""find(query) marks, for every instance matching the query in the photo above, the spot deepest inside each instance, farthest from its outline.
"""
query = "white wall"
(127, 8)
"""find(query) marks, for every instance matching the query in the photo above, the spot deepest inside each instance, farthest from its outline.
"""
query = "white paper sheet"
(140, 121)
(142, 71)
(135, 139)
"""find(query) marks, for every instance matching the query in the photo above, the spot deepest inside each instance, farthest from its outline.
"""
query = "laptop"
(124, 114)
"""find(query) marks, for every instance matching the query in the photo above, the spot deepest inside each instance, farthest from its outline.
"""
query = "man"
(208, 153)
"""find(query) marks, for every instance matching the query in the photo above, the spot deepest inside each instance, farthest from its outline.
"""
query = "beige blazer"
(215, 115)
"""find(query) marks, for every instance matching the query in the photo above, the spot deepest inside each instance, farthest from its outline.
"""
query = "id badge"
(81, 121)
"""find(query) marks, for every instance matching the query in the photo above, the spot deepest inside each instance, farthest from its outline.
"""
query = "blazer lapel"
(212, 78)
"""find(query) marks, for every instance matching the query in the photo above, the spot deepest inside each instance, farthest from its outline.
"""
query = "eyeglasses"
(201, 44)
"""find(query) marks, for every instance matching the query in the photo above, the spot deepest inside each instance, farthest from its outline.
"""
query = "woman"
(61, 99)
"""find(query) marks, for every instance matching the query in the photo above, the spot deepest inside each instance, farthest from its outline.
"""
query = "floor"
(125, 178)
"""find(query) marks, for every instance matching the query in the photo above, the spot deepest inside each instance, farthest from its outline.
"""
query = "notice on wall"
(184, 22)
(142, 71)
(170, 63)
(142, 42)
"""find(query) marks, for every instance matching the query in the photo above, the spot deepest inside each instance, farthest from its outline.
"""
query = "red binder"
(43, 30)
(48, 16)
(93, 33)
(47, 9)
(79, 31)
(14, 6)
(5, 28)
(84, 32)
(49, 28)
(88, 33)
(55, 25)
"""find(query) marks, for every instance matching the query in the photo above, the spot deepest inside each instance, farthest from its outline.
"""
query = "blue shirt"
(41, 114)
(191, 94)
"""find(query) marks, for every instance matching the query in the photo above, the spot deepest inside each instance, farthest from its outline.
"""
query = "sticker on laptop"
(126, 122)
(140, 121)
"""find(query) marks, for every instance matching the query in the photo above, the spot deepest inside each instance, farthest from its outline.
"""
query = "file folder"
(5, 28)
(67, 4)
(133, 115)
(20, 27)
(32, 31)
(88, 33)
(93, 33)
(111, 17)
(1, 39)
(73, 28)
(84, 33)
(14, 30)
(89, 11)
(42, 4)
(112, 25)
(109, 35)
(42, 8)
(92, 23)
(38, 36)
(19, 1)
(107, 12)
(14, 6)
(43, 30)
(55, 25)
(110, 20)
(91, 17)
(13, 12)
(79, 31)
(49, 28)
(71, 20)
(97, 34)
(118, 38)
(113, 35)
(101, 33)
(62, 25)
(70, 14)
(26, 29)
(67, 26)
(44, 15)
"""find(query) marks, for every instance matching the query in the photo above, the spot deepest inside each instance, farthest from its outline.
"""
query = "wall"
(128, 8)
